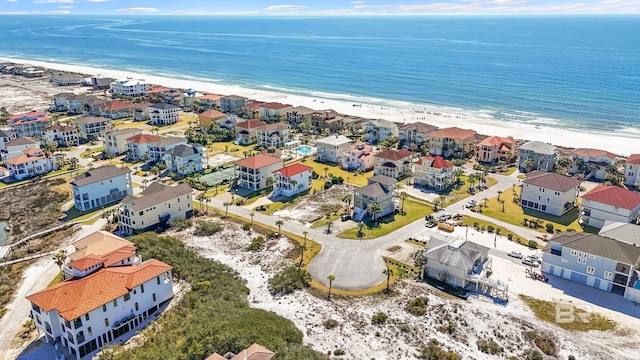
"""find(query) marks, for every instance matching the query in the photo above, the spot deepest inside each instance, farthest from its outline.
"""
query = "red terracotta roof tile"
(496, 141)
(258, 161)
(142, 138)
(394, 155)
(614, 196)
(454, 133)
(251, 124)
(436, 162)
(593, 153)
(293, 169)
(213, 114)
(634, 159)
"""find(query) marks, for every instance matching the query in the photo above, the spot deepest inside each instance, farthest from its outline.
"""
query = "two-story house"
(101, 186)
(115, 141)
(292, 179)
(300, 115)
(163, 114)
(594, 161)
(537, 155)
(274, 111)
(76, 103)
(255, 172)
(114, 294)
(138, 145)
(496, 148)
(186, 159)
(551, 193)
(61, 78)
(332, 148)
(631, 170)
(597, 261)
(378, 130)
(130, 87)
(93, 107)
(456, 261)
(31, 162)
(210, 101)
(611, 203)
(91, 127)
(17, 146)
(5, 137)
(433, 172)
(62, 135)
(380, 190)
(327, 119)
(118, 109)
(246, 132)
(393, 163)
(417, 133)
(273, 135)
(156, 206)
(157, 148)
(30, 123)
(232, 103)
(452, 141)
(359, 156)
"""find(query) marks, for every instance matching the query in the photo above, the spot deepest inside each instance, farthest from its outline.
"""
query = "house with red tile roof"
(496, 148)
(17, 146)
(632, 170)
(210, 101)
(452, 141)
(611, 203)
(393, 163)
(256, 172)
(246, 132)
(551, 193)
(416, 132)
(359, 156)
(137, 145)
(30, 123)
(253, 352)
(109, 295)
(291, 180)
(595, 162)
(30, 163)
(250, 110)
(433, 172)
(274, 110)
(115, 141)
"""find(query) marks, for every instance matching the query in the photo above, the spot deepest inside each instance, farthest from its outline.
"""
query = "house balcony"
(623, 268)
(620, 279)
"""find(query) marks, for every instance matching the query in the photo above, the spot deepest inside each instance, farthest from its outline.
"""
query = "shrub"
(476, 224)
(490, 229)
(433, 351)
(181, 224)
(206, 228)
(417, 306)
(535, 355)
(289, 280)
(488, 346)
(510, 237)
(449, 328)
(549, 228)
(571, 357)
(533, 244)
(314, 175)
(327, 184)
(330, 323)
(338, 352)
(379, 318)
(246, 226)
(256, 244)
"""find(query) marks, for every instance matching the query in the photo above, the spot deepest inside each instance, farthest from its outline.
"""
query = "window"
(574, 253)
(115, 302)
(127, 296)
(590, 270)
(154, 297)
(104, 308)
(86, 316)
(47, 327)
(137, 308)
(158, 280)
(608, 275)
(89, 332)
(77, 323)
(142, 288)
(106, 322)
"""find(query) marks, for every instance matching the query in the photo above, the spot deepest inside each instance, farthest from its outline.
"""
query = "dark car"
(345, 217)
(429, 218)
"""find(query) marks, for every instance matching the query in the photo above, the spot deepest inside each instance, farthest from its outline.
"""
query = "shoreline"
(619, 141)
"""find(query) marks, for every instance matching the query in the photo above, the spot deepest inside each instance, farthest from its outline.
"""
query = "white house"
(101, 186)
(156, 206)
(138, 145)
(164, 114)
(536, 155)
(30, 123)
(417, 133)
(61, 135)
(115, 141)
(274, 110)
(158, 147)
(32, 162)
(5, 137)
(292, 179)
(17, 146)
(246, 132)
(100, 249)
(332, 148)
(273, 135)
(378, 130)
(631, 170)
(611, 203)
(130, 87)
(185, 159)
(552, 193)
(91, 127)
(595, 161)
(393, 163)
(253, 172)
(83, 314)
(434, 172)
(456, 261)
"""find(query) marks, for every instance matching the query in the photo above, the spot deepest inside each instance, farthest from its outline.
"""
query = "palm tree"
(502, 202)
(403, 195)
(325, 172)
(442, 199)
(201, 197)
(529, 164)
(499, 193)
(59, 258)
(361, 227)
(303, 247)
(226, 206)
(252, 214)
(329, 223)
(74, 162)
(330, 278)
(279, 223)
(294, 183)
(485, 201)
(347, 198)
(389, 273)
(375, 209)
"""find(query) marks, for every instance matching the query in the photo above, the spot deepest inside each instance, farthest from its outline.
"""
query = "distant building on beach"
(327, 119)
(378, 130)
(417, 133)
(164, 114)
(232, 103)
(496, 148)
(452, 141)
(61, 78)
(537, 155)
(130, 87)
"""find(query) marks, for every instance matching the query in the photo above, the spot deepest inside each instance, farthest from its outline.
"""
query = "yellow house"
(209, 117)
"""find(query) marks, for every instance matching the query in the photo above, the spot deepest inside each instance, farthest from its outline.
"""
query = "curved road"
(358, 264)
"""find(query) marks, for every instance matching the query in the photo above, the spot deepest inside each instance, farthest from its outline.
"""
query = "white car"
(515, 254)
(445, 217)
(530, 262)
(470, 204)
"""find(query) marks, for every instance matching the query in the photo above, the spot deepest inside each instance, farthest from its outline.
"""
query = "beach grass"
(414, 210)
(354, 179)
(546, 310)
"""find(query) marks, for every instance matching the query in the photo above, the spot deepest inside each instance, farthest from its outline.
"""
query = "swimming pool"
(304, 150)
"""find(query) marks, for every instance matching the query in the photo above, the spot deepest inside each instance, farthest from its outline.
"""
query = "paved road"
(357, 264)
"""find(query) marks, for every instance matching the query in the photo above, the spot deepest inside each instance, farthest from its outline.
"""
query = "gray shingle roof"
(99, 174)
(382, 179)
(457, 253)
(597, 245)
(24, 140)
(539, 147)
(91, 120)
(629, 233)
(184, 150)
(163, 106)
(167, 141)
(551, 181)
(372, 190)
(122, 132)
(7, 133)
(155, 194)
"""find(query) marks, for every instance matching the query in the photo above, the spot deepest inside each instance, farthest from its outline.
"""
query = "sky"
(318, 7)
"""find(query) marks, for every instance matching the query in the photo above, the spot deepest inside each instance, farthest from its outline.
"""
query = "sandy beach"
(620, 142)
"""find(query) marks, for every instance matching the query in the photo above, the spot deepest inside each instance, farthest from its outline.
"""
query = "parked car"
(429, 218)
(445, 217)
(345, 217)
(515, 254)
(530, 262)
(470, 204)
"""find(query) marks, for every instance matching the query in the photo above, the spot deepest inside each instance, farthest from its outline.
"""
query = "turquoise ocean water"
(583, 71)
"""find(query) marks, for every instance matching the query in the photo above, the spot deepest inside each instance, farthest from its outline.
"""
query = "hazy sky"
(317, 7)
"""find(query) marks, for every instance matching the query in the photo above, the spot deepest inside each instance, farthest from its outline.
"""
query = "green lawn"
(229, 146)
(354, 179)
(515, 214)
(468, 220)
(414, 210)
(456, 195)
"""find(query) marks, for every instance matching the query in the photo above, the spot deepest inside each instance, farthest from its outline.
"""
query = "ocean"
(578, 72)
